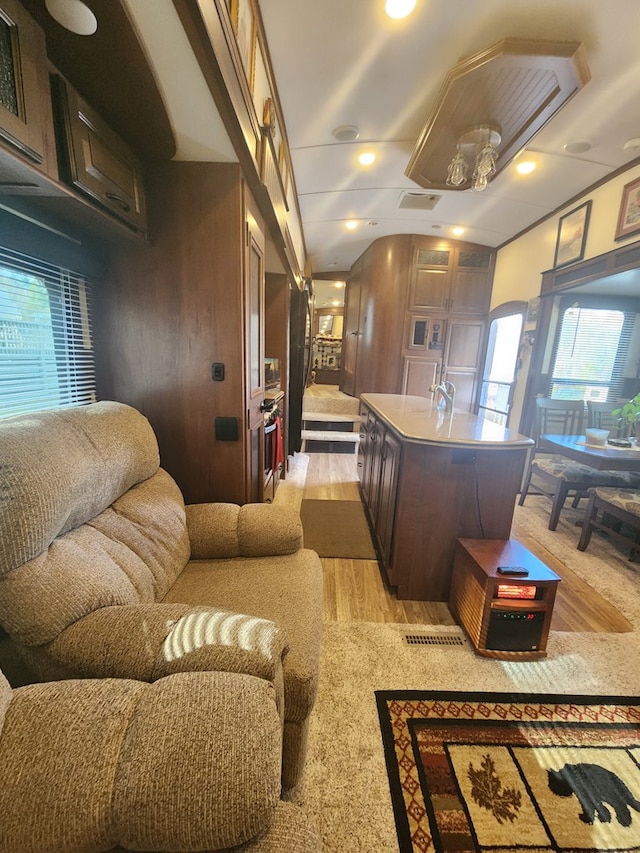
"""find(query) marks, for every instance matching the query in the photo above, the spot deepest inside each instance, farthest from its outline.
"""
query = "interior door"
(500, 364)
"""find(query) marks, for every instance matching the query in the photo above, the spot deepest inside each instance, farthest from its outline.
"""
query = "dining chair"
(615, 512)
(554, 475)
(599, 414)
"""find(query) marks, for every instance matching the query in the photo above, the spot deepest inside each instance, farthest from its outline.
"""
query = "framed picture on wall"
(629, 216)
(244, 25)
(572, 235)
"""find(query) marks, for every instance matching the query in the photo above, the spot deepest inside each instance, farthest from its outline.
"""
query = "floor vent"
(434, 640)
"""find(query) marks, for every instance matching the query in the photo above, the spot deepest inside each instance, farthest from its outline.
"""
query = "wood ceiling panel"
(516, 86)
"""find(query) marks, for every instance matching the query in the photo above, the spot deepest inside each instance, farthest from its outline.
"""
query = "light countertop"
(417, 419)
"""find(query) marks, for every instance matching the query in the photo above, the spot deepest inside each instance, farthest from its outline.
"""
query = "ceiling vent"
(418, 201)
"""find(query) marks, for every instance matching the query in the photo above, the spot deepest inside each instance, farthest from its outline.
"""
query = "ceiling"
(346, 63)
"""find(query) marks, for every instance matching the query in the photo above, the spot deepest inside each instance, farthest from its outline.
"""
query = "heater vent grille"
(434, 640)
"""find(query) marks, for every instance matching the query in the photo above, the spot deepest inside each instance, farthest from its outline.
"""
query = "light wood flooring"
(354, 590)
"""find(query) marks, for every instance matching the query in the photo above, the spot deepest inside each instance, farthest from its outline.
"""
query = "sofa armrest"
(149, 641)
(191, 762)
(223, 531)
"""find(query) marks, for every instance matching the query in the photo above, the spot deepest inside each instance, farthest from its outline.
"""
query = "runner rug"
(337, 529)
(503, 772)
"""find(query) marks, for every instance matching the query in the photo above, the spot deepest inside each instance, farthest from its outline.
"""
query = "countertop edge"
(512, 441)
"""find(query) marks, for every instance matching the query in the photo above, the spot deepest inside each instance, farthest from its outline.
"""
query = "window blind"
(590, 352)
(46, 348)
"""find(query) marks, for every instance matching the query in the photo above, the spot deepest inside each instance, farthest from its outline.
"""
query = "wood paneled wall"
(168, 310)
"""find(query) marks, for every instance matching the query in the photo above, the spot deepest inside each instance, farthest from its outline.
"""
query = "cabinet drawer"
(94, 159)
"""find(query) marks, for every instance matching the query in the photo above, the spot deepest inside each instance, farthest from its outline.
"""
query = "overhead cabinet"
(24, 86)
(94, 160)
(450, 279)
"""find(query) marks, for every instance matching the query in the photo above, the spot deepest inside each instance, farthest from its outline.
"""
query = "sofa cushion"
(61, 468)
(130, 553)
(286, 590)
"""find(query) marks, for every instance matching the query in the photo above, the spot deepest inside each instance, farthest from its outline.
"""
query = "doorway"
(501, 362)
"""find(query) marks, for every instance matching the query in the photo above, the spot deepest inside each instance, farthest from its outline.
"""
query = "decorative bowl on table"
(597, 437)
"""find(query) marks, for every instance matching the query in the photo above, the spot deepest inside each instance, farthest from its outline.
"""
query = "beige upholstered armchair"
(105, 573)
(191, 762)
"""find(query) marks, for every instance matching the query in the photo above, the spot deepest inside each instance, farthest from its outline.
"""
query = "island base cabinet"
(446, 493)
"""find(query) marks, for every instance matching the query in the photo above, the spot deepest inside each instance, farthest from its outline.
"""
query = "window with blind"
(590, 352)
(46, 349)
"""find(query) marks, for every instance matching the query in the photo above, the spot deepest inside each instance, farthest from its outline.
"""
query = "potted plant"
(628, 417)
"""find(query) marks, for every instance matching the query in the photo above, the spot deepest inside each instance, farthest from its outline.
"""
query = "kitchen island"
(429, 477)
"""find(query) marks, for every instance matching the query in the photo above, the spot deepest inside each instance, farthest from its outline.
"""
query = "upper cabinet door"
(24, 82)
(96, 161)
(430, 279)
(471, 282)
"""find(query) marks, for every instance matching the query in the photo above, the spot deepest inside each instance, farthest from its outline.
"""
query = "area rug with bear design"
(503, 772)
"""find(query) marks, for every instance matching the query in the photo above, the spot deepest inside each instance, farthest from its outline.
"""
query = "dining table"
(602, 457)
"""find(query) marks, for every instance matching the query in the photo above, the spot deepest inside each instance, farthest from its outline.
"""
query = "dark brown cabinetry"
(421, 495)
(450, 278)
(25, 109)
(415, 315)
(378, 465)
(59, 163)
(172, 309)
(95, 160)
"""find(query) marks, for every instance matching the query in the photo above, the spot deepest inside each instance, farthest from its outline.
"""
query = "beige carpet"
(337, 529)
(345, 788)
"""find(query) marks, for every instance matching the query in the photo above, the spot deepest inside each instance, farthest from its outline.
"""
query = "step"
(330, 435)
(330, 417)
(332, 405)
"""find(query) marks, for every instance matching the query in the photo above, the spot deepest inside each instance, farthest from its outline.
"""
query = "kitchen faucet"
(446, 391)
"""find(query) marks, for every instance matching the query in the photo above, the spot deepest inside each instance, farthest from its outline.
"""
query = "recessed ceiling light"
(458, 230)
(399, 8)
(631, 144)
(351, 224)
(73, 15)
(525, 167)
(366, 158)
(346, 133)
(578, 146)
(435, 225)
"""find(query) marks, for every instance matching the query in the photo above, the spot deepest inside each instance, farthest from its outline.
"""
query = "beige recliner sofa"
(191, 762)
(105, 573)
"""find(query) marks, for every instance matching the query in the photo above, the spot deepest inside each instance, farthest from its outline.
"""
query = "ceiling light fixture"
(351, 224)
(515, 86)
(366, 158)
(525, 167)
(480, 142)
(458, 231)
(399, 8)
(73, 15)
